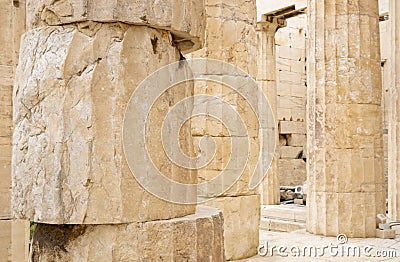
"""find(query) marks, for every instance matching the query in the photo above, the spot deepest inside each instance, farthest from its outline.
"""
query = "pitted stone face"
(70, 96)
(197, 237)
(185, 20)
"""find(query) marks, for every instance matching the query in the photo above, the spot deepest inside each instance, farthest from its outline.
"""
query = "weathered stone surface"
(70, 96)
(10, 31)
(266, 77)
(5, 188)
(291, 152)
(386, 234)
(231, 38)
(241, 222)
(14, 239)
(394, 119)
(292, 127)
(197, 237)
(14, 235)
(291, 65)
(5, 240)
(228, 37)
(292, 172)
(344, 121)
(296, 140)
(184, 20)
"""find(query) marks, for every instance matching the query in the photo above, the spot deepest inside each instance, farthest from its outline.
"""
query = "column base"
(197, 237)
(241, 225)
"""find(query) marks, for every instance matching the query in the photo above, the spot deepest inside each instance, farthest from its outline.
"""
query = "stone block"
(296, 139)
(5, 188)
(282, 37)
(386, 234)
(283, 64)
(298, 115)
(284, 114)
(281, 225)
(185, 21)
(241, 224)
(197, 237)
(292, 127)
(299, 91)
(292, 172)
(291, 152)
(291, 102)
(291, 77)
(286, 52)
(5, 240)
(72, 89)
(298, 66)
(218, 165)
(14, 240)
(297, 201)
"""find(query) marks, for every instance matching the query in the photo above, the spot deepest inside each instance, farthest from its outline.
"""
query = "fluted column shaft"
(231, 38)
(266, 78)
(344, 128)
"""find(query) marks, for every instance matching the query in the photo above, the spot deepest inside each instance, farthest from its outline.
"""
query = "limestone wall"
(291, 92)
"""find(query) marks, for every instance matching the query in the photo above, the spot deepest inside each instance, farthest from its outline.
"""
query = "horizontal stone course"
(197, 237)
(185, 21)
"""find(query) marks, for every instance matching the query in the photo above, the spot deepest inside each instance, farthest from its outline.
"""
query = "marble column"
(78, 68)
(231, 37)
(266, 78)
(394, 118)
(344, 118)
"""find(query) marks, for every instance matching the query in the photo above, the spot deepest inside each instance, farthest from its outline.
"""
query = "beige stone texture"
(292, 172)
(394, 105)
(281, 225)
(184, 19)
(231, 38)
(296, 140)
(14, 235)
(241, 224)
(291, 152)
(14, 240)
(291, 95)
(5, 240)
(197, 237)
(70, 96)
(385, 35)
(386, 233)
(230, 26)
(344, 121)
(292, 127)
(266, 77)
(10, 31)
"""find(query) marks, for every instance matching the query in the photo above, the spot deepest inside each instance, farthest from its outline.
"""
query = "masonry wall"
(291, 90)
